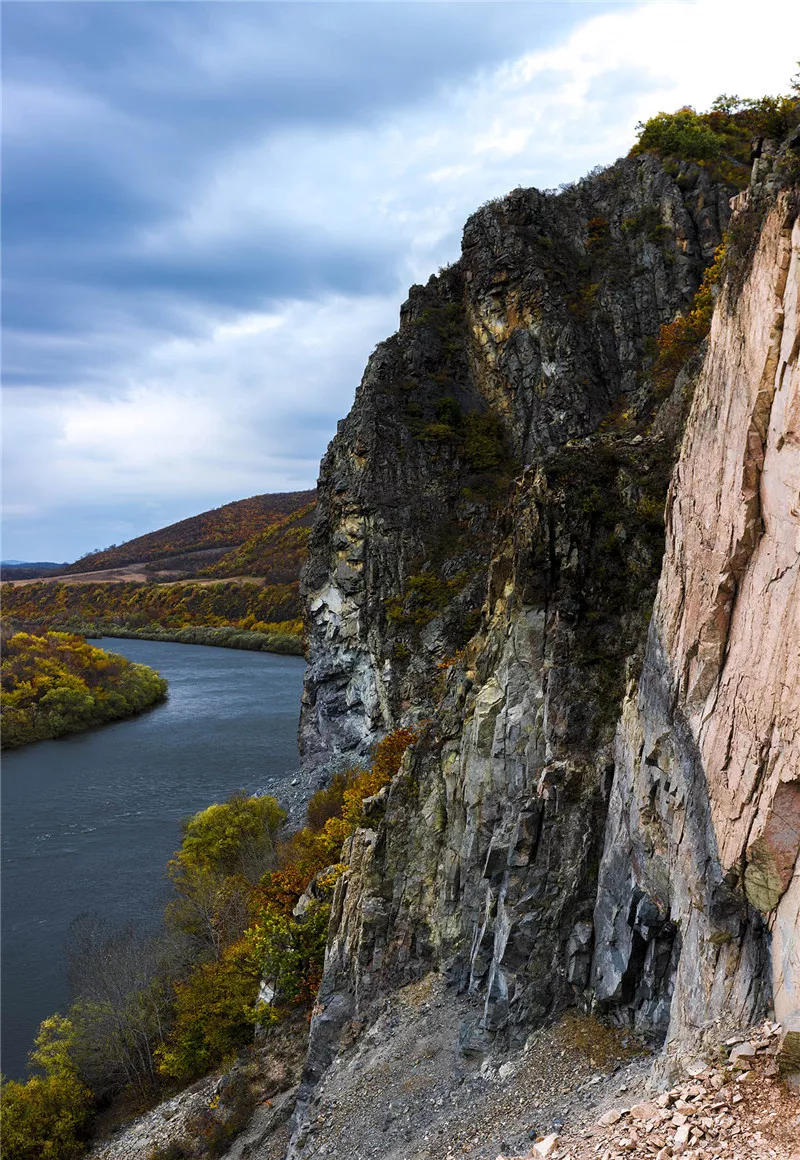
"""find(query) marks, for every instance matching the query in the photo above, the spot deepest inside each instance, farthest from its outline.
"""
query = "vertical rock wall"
(595, 811)
(704, 825)
(531, 340)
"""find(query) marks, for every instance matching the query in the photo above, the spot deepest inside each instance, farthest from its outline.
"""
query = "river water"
(90, 820)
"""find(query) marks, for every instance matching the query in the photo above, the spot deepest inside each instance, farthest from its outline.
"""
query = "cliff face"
(529, 341)
(603, 803)
(704, 820)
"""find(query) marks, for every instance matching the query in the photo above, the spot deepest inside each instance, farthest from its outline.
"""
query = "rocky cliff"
(603, 806)
(532, 340)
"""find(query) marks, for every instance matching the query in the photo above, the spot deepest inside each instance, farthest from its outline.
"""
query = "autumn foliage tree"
(55, 683)
(236, 951)
(47, 1117)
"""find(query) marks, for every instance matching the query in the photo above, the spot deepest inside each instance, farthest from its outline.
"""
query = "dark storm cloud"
(225, 68)
(119, 112)
(212, 212)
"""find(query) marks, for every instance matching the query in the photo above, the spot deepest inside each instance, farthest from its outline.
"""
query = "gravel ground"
(739, 1109)
(577, 1091)
(292, 794)
(406, 1090)
(293, 791)
(244, 1110)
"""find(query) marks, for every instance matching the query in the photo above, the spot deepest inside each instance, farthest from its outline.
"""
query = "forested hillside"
(162, 610)
(223, 527)
(56, 683)
(277, 554)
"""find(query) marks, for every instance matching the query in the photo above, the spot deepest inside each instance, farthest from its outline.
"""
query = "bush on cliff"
(683, 134)
(226, 849)
(679, 339)
(215, 1013)
(719, 139)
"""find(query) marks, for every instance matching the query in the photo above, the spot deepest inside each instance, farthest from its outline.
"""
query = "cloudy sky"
(212, 212)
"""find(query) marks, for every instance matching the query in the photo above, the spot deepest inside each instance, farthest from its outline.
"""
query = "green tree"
(232, 837)
(46, 1118)
(683, 134)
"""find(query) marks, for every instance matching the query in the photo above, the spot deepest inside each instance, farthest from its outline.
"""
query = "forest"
(56, 683)
(249, 903)
(162, 611)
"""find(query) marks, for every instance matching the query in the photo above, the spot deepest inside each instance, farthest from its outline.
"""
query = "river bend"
(90, 820)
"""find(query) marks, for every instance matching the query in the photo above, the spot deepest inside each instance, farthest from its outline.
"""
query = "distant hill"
(230, 576)
(203, 538)
(29, 569)
(277, 553)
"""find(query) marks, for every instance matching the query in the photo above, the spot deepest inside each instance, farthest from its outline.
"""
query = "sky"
(211, 213)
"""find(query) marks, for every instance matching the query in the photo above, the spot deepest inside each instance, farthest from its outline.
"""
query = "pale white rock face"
(786, 951)
(704, 816)
(729, 601)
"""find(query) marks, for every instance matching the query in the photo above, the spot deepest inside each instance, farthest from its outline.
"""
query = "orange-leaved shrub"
(217, 1006)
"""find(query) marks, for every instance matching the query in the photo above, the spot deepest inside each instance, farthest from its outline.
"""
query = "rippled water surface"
(89, 821)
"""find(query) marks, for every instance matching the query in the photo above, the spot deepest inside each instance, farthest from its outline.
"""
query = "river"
(90, 820)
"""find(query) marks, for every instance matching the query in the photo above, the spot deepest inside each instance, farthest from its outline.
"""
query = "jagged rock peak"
(602, 806)
(536, 337)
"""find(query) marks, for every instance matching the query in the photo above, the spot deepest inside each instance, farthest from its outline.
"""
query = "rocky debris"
(242, 1113)
(266, 1136)
(292, 792)
(736, 1109)
(546, 1147)
(406, 1089)
(161, 1126)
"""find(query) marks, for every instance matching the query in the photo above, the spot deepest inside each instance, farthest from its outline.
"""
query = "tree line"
(140, 608)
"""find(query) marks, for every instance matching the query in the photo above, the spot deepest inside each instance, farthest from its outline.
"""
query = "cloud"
(213, 211)
(227, 414)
